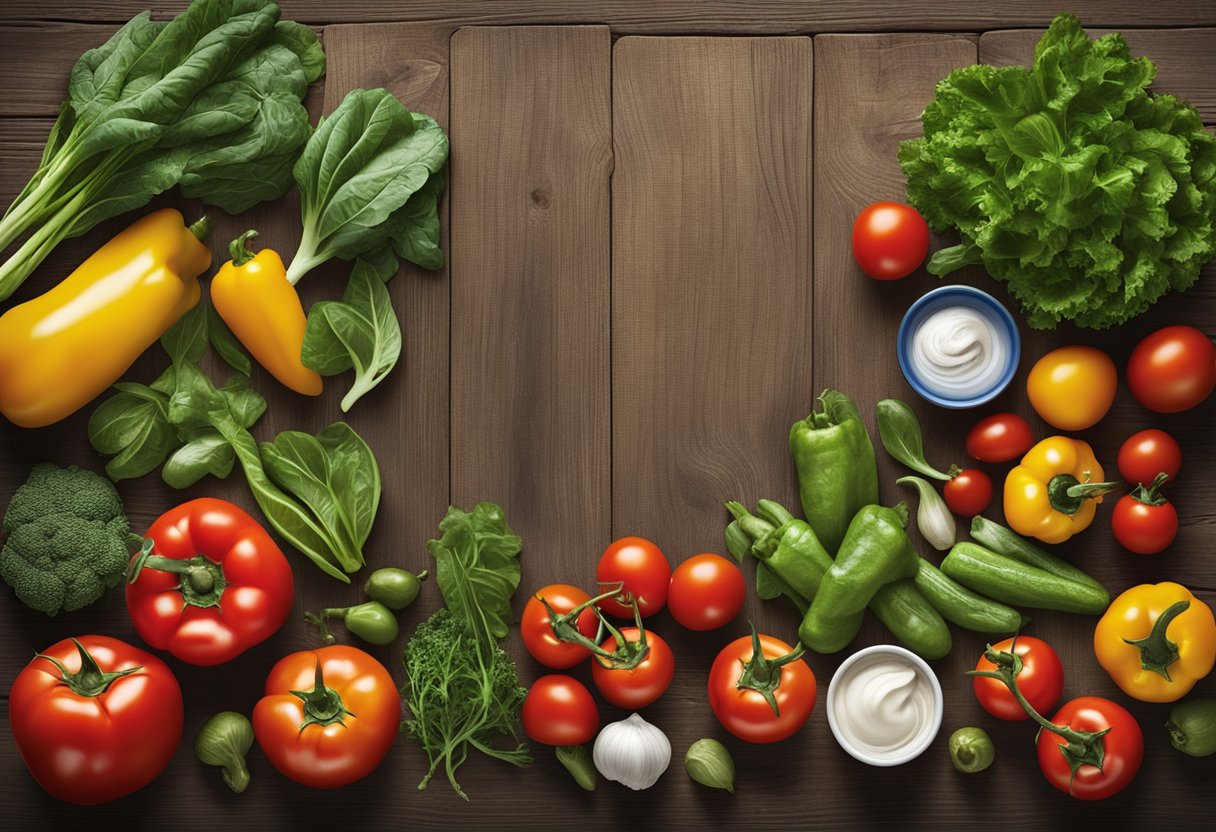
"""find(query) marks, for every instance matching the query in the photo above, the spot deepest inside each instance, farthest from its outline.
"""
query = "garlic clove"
(632, 752)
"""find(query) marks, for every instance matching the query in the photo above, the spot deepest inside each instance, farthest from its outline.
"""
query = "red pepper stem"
(239, 249)
(202, 583)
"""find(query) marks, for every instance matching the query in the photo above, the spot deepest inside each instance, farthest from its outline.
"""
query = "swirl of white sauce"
(959, 352)
(883, 705)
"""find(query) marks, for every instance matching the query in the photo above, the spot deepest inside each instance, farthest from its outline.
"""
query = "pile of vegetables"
(1087, 195)
(210, 101)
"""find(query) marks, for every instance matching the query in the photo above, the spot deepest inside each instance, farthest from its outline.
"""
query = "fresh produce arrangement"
(1087, 195)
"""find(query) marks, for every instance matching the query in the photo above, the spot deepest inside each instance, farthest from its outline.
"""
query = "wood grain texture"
(869, 92)
(711, 338)
(1185, 58)
(678, 16)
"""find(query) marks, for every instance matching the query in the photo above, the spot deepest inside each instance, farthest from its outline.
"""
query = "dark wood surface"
(649, 279)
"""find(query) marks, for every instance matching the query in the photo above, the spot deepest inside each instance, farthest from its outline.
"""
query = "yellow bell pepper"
(1054, 492)
(62, 349)
(1156, 641)
(261, 307)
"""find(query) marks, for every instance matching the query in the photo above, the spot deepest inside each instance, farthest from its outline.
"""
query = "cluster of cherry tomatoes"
(632, 666)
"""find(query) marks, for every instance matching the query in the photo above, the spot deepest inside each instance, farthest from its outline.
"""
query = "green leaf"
(477, 569)
(225, 343)
(186, 340)
(301, 40)
(901, 436)
(414, 228)
(360, 332)
(133, 428)
(208, 453)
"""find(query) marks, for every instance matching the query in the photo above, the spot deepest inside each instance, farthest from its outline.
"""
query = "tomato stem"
(626, 656)
(762, 674)
(90, 680)
(322, 705)
(1150, 495)
(1157, 652)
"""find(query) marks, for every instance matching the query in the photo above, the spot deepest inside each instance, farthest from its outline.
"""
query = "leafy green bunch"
(210, 101)
(1088, 196)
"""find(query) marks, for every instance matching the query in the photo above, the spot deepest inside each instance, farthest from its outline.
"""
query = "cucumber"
(961, 606)
(996, 538)
(912, 619)
(1014, 582)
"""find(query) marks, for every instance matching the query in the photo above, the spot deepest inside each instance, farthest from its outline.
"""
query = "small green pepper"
(875, 551)
(395, 588)
(837, 472)
(1192, 726)
(971, 750)
(373, 622)
(224, 740)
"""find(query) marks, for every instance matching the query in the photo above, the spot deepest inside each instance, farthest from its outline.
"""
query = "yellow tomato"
(1072, 388)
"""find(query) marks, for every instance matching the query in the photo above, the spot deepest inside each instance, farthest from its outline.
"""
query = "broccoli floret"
(65, 539)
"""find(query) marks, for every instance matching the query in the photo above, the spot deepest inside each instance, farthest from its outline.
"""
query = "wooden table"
(648, 280)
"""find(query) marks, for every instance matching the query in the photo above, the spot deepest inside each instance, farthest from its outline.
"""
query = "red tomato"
(328, 717)
(559, 710)
(644, 571)
(707, 592)
(1123, 749)
(213, 585)
(641, 685)
(537, 632)
(1147, 454)
(1000, 438)
(1144, 522)
(1041, 680)
(968, 492)
(890, 240)
(743, 710)
(93, 736)
(1173, 369)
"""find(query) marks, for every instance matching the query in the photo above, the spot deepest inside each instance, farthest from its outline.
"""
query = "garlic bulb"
(632, 752)
(933, 518)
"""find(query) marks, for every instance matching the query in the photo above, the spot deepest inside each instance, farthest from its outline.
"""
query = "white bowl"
(914, 749)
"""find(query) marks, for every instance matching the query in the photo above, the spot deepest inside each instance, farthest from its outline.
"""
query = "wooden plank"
(678, 16)
(531, 158)
(1185, 58)
(868, 95)
(711, 211)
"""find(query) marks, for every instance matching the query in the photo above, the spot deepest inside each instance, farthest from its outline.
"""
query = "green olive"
(395, 588)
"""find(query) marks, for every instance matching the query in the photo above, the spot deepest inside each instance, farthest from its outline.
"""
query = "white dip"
(883, 705)
(958, 352)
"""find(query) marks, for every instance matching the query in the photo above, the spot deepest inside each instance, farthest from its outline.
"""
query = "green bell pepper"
(837, 473)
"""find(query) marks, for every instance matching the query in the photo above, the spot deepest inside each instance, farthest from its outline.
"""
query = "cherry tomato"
(1144, 522)
(1073, 387)
(744, 711)
(537, 633)
(641, 685)
(968, 492)
(1147, 454)
(328, 717)
(1000, 438)
(1123, 749)
(707, 592)
(1041, 680)
(559, 710)
(890, 240)
(1173, 369)
(642, 568)
(93, 736)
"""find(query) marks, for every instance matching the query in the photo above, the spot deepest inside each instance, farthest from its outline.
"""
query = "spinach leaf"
(208, 453)
(414, 228)
(133, 428)
(901, 436)
(362, 164)
(360, 331)
(225, 343)
(186, 340)
(477, 569)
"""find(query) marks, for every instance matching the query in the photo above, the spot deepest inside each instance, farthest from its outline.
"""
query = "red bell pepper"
(209, 583)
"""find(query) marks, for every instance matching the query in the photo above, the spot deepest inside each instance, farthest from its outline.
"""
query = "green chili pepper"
(837, 473)
(875, 551)
(373, 622)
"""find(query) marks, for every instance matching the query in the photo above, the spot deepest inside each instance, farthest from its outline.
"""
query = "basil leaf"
(360, 331)
(477, 568)
(225, 343)
(209, 453)
(901, 436)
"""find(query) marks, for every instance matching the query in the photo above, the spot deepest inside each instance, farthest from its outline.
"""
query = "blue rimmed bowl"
(1001, 323)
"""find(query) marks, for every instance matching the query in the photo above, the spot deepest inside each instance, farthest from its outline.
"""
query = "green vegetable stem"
(210, 101)
(709, 763)
(1087, 195)
(971, 750)
(577, 760)
(395, 588)
(1192, 726)
(373, 622)
(834, 458)
(223, 741)
(875, 551)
